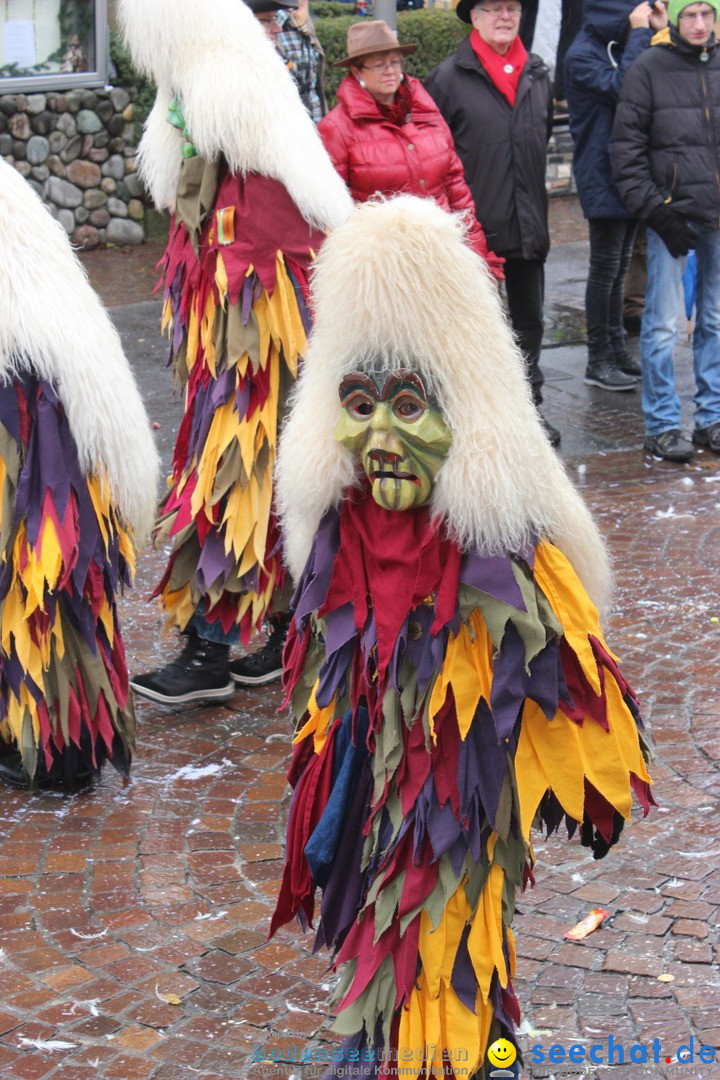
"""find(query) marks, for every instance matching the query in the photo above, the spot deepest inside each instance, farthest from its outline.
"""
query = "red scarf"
(398, 112)
(495, 64)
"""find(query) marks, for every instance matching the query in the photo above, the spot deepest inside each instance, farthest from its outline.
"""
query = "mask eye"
(409, 407)
(359, 405)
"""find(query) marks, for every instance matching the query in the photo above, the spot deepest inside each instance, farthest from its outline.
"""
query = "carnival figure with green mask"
(445, 665)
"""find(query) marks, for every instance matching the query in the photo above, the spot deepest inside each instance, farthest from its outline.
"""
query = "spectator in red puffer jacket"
(386, 136)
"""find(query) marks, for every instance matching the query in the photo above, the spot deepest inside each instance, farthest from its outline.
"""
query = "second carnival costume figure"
(446, 668)
(230, 150)
(78, 484)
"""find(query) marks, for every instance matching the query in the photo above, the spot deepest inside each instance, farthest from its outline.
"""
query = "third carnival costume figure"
(78, 484)
(229, 148)
(445, 666)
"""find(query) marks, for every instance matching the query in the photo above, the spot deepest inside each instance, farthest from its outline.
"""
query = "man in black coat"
(666, 166)
(496, 99)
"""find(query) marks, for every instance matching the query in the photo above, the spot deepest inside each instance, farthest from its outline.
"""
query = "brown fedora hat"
(374, 36)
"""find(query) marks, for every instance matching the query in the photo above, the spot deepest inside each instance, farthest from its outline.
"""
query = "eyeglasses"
(513, 10)
(396, 65)
(691, 16)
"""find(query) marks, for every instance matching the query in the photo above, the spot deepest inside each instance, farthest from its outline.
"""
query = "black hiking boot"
(199, 673)
(265, 665)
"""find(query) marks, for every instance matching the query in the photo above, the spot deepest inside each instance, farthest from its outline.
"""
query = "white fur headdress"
(397, 281)
(238, 100)
(52, 323)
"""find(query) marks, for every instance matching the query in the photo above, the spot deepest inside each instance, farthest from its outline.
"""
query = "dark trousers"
(525, 289)
(611, 242)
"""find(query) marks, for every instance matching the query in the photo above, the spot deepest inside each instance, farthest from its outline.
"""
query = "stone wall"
(78, 151)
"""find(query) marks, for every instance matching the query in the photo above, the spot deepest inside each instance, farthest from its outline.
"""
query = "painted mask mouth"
(391, 474)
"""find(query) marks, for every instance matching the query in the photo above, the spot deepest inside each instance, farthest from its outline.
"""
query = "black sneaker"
(552, 432)
(708, 437)
(199, 673)
(626, 363)
(608, 377)
(670, 445)
(265, 665)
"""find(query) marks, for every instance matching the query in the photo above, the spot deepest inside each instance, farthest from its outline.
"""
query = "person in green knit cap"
(666, 166)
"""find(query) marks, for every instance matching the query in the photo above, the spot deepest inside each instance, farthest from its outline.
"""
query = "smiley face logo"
(501, 1053)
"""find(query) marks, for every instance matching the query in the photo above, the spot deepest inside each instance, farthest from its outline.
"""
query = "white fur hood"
(397, 281)
(238, 100)
(52, 322)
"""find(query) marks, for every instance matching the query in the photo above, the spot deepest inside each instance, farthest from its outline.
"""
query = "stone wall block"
(116, 145)
(99, 218)
(60, 105)
(19, 150)
(3, 123)
(81, 215)
(38, 149)
(74, 101)
(67, 125)
(129, 113)
(115, 126)
(8, 104)
(63, 193)
(89, 100)
(117, 207)
(135, 188)
(41, 173)
(88, 122)
(43, 123)
(36, 103)
(104, 110)
(6, 144)
(57, 166)
(101, 139)
(24, 168)
(108, 185)
(21, 102)
(119, 98)
(20, 126)
(121, 231)
(85, 174)
(87, 145)
(136, 210)
(94, 199)
(67, 220)
(98, 154)
(86, 236)
(114, 167)
(123, 191)
(72, 150)
(57, 141)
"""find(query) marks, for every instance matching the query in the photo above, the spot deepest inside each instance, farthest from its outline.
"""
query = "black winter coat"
(503, 149)
(666, 136)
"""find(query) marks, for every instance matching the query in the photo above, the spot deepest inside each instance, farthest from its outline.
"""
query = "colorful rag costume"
(446, 669)
(78, 481)
(230, 149)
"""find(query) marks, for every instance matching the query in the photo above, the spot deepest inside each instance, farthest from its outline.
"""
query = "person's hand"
(640, 16)
(673, 229)
(658, 16)
(646, 15)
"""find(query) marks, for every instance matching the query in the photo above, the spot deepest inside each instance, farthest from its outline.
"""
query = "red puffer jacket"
(373, 155)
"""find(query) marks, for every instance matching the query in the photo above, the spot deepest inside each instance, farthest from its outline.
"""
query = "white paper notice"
(19, 43)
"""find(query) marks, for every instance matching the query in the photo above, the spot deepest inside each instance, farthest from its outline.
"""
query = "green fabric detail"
(377, 999)
(197, 189)
(386, 905)
(176, 118)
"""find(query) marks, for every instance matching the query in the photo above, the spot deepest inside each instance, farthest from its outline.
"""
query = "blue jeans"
(660, 402)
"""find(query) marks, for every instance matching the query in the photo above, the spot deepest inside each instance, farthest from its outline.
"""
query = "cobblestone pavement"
(134, 917)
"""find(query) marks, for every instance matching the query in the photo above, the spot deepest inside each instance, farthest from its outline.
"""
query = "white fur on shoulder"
(238, 99)
(159, 157)
(397, 281)
(52, 323)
